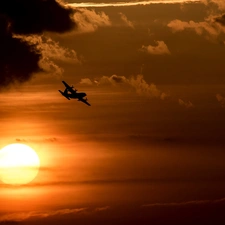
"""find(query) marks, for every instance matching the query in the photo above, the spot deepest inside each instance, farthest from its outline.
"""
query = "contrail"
(134, 3)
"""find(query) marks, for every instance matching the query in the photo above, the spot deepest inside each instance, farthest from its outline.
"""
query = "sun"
(19, 164)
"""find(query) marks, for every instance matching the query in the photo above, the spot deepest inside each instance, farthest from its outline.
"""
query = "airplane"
(69, 93)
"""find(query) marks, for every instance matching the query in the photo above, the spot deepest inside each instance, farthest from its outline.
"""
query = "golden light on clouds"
(19, 164)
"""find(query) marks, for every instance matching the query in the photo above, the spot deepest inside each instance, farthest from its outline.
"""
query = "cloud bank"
(136, 83)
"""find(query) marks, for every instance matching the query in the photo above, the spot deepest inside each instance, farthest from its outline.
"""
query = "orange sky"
(150, 149)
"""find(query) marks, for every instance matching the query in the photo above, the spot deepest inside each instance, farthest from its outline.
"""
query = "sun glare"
(19, 164)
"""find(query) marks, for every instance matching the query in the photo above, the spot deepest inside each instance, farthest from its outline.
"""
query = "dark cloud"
(18, 58)
(37, 16)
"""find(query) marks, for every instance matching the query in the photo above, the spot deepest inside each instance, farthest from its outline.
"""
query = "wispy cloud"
(21, 216)
(45, 140)
(220, 99)
(185, 104)
(132, 3)
(177, 204)
(90, 21)
(126, 21)
(102, 208)
(159, 49)
(86, 81)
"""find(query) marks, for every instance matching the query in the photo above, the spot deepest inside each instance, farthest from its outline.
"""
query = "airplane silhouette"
(69, 93)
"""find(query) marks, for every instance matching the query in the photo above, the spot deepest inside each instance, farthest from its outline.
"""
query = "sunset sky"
(150, 148)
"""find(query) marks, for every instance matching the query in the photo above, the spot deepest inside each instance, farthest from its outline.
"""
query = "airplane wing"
(64, 95)
(70, 89)
(84, 101)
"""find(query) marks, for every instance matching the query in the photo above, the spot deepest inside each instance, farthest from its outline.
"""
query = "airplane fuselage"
(76, 95)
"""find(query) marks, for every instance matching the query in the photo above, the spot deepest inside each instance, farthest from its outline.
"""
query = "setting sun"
(19, 164)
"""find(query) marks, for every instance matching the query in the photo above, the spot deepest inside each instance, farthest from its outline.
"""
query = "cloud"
(188, 203)
(219, 3)
(185, 104)
(220, 19)
(86, 81)
(51, 52)
(199, 27)
(126, 21)
(19, 59)
(160, 49)
(45, 140)
(54, 16)
(90, 21)
(143, 88)
(52, 49)
(131, 3)
(138, 84)
(113, 80)
(221, 100)
(22, 216)
(212, 27)
(104, 208)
